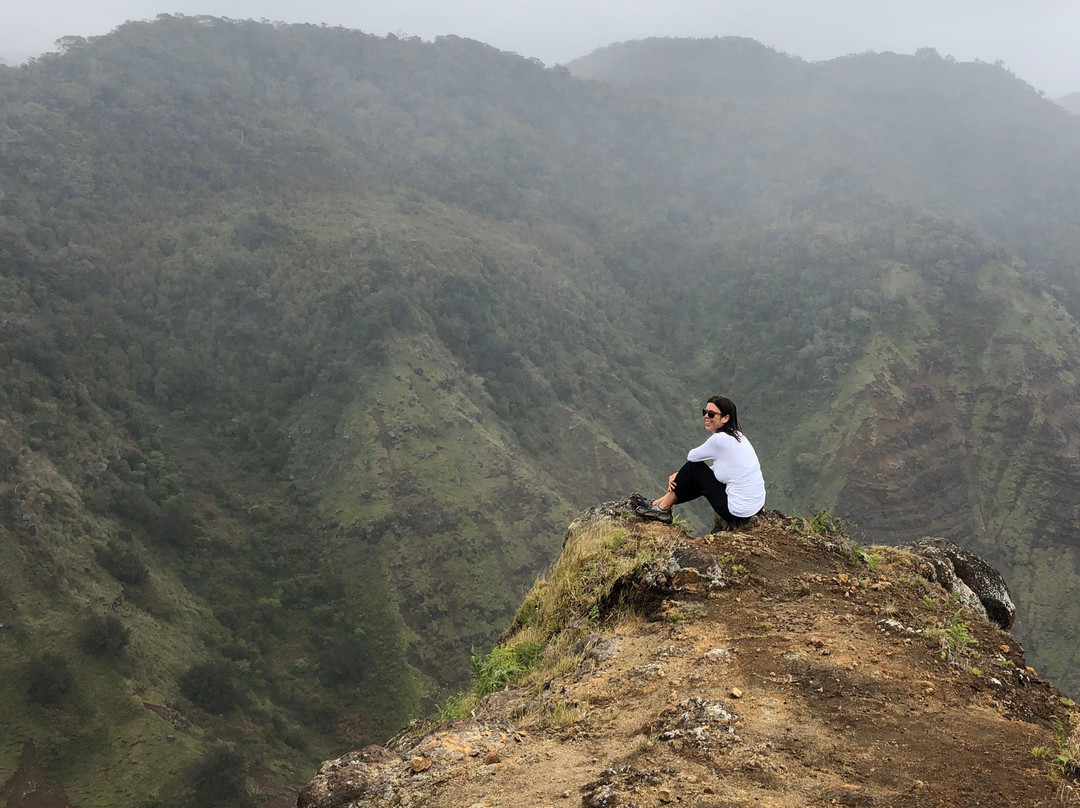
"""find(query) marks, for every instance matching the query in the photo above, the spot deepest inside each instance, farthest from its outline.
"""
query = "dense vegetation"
(314, 340)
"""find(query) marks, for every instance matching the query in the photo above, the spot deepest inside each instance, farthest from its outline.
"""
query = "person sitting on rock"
(724, 469)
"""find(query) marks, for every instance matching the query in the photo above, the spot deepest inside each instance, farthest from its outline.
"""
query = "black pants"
(697, 480)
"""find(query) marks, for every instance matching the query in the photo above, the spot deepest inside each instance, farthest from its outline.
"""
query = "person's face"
(712, 417)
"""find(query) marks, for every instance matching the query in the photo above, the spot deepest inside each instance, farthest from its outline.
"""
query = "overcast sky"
(1037, 40)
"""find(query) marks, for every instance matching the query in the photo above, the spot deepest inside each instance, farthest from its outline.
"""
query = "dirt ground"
(806, 679)
(30, 786)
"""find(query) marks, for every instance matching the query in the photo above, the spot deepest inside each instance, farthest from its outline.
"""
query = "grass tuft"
(1064, 755)
(505, 664)
(955, 638)
(582, 579)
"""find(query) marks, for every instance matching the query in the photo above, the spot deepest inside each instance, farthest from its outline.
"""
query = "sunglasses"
(710, 413)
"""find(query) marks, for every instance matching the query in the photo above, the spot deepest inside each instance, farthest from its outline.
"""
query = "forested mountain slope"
(965, 140)
(312, 340)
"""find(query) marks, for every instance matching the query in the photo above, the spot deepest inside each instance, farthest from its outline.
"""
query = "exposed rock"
(979, 586)
(339, 782)
(501, 703)
(601, 795)
(402, 772)
(704, 724)
(696, 712)
(616, 509)
(596, 648)
(717, 655)
(650, 671)
(687, 569)
(896, 627)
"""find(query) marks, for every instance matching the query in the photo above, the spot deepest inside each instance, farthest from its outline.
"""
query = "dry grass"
(572, 600)
(581, 582)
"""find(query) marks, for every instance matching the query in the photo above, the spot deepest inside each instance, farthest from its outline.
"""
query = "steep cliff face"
(972, 435)
(781, 665)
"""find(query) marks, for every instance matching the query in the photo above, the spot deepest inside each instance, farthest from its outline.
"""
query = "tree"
(121, 563)
(211, 685)
(49, 678)
(218, 778)
(104, 636)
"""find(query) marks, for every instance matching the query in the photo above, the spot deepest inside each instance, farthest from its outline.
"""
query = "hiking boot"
(654, 513)
(636, 500)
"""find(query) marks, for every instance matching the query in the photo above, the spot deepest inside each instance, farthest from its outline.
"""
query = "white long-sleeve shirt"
(735, 464)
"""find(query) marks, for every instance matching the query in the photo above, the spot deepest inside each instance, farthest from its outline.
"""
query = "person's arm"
(704, 453)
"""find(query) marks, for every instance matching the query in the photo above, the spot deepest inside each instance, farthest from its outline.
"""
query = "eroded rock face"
(979, 586)
(596, 648)
(687, 569)
(406, 771)
(349, 778)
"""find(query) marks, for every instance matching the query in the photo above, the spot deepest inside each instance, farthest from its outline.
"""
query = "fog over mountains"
(314, 341)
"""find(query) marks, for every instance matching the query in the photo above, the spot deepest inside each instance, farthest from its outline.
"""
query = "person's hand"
(671, 481)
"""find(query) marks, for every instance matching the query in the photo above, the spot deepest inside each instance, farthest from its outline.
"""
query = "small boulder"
(596, 648)
(976, 582)
(687, 569)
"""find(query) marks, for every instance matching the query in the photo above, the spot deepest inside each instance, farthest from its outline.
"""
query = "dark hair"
(727, 407)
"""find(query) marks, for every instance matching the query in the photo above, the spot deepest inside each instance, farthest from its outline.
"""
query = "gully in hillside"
(724, 469)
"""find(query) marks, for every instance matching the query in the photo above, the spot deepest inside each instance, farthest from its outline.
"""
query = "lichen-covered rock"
(616, 509)
(703, 723)
(597, 648)
(600, 795)
(405, 771)
(347, 779)
(686, 569)
(978, 585)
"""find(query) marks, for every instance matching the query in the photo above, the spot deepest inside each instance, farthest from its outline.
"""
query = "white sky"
(1039, 40)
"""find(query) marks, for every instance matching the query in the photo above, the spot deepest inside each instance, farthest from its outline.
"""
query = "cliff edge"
(780, 665)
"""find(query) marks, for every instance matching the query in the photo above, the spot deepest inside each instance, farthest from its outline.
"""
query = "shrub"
(824, 523)
(104, 636)
(211, 685)
(218, 778)
(129, 501)
(344, 662)
(457, 706)
(121, 563)
(9, 462)
(49, 679)
(177, 524)
(1064, 755)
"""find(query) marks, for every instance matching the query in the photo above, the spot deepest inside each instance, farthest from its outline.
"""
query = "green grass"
(504, 665)
(955, 639)
(1064, 755)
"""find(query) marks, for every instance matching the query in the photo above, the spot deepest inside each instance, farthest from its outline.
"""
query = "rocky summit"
(778, 665)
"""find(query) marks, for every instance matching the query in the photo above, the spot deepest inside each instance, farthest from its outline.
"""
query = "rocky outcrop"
(976, 583)
(758, 667)
(407, 771)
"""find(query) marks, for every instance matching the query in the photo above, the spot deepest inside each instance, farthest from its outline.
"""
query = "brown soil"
(832, 705)
(30, 786)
